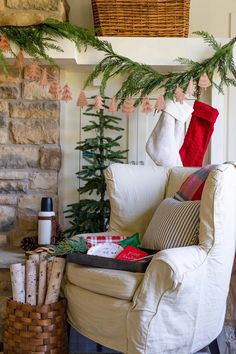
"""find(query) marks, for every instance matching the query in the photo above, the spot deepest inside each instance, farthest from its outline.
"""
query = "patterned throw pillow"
(174, 224)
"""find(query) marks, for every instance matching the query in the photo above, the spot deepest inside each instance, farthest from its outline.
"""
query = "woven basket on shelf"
(35, 329)
(155, 18)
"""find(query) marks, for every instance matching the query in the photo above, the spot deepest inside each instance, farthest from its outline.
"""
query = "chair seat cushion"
(115, 283)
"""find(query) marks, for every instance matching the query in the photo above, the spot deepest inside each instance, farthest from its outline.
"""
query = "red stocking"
(198, 134)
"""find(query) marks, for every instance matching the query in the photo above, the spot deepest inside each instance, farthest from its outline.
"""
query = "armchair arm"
(167, 302)
(165, 273)
(182, 259)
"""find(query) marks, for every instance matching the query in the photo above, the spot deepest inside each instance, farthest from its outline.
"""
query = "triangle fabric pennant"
(179, 94)
(190, 89)
(98, 105)
(146, 105)
(44, 78)
(66, 93)
(160, 104)
(55, 89)
(82, 100)
(4, 43)
(128, 108)
(204, 81)
(20, 60)
(34, 71)
(113, 106)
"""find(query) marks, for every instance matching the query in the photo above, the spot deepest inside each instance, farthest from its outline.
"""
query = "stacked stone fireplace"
(30, 154)
(30, 159)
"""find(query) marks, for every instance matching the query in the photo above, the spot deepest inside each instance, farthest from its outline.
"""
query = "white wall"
(209, 15)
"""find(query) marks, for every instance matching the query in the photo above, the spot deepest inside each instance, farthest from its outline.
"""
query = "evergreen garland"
(141, 79)
(92, 215)
(35, 40)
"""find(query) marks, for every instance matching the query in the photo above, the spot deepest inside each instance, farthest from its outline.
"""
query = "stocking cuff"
(179, 111)
(204, 111)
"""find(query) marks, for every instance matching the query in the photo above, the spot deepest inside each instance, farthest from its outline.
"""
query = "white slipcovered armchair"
(178, 305)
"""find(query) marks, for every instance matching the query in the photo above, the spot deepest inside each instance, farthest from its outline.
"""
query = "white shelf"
(151, 51)
(161, 52)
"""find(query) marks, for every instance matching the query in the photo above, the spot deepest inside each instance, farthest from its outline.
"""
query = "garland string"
(141, 79)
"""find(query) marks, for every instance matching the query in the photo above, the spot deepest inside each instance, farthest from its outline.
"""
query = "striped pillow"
(174, 224)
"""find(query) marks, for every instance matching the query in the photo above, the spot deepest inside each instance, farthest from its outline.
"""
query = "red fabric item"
(192, 187)
(198, 134)
(130, 253)
(94, 240)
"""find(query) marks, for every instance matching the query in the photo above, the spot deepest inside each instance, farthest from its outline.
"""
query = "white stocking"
(166, 138)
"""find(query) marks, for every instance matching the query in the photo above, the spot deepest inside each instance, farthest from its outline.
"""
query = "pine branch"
(209, 39)
(68, 246)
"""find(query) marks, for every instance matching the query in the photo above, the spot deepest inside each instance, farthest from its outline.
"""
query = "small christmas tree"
(92, 214)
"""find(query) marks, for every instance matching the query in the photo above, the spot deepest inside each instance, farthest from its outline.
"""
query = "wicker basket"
(155, 18)
(35, 329)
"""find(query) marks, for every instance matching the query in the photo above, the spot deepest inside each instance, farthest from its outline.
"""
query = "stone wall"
(30, 155)
(29, 12)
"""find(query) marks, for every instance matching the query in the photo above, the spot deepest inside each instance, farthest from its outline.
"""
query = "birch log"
(31, 282)
(49, 269)
(42, 287)
(18, 282)
(35, 257)
(55, 280)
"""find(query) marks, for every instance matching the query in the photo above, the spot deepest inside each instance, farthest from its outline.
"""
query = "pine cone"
(29, 243)
(58, 235)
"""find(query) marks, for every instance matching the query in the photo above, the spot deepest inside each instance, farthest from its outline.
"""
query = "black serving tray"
(110, 263)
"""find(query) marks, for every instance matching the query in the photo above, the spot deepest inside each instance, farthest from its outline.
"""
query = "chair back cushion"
(134, 193)
(177, 176)
(174, 224)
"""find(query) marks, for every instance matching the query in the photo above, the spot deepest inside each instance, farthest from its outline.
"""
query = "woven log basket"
(35, 329)
(155, 18)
